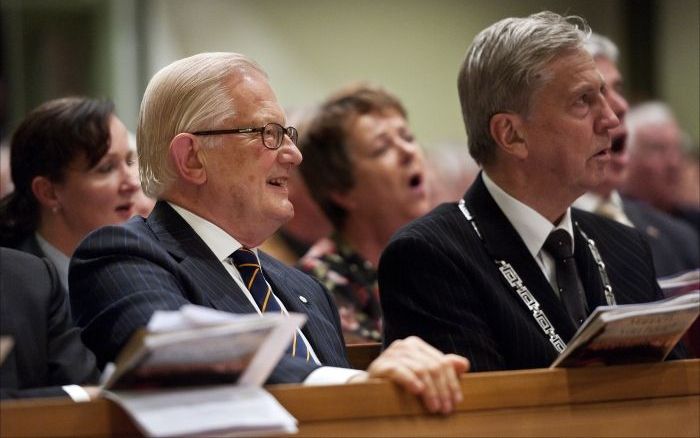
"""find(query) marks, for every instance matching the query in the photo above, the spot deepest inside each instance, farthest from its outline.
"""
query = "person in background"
(674, 244)
(73, 172)
(47, 357)
(216, 151)
(689, 193)
(491, 277)
(6, 186)
(451, 171)
(366, 170)
(295, 237)
(655, 143)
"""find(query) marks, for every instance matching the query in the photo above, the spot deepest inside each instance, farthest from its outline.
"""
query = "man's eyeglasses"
(272, 134)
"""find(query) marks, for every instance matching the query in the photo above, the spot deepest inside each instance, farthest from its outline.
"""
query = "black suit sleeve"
(44, 392)
(116, 288)
(425, 293)
(68, 359)
(47, 352)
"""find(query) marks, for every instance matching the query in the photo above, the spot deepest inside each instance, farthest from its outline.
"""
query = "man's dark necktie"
(558, 245)
(247, 264)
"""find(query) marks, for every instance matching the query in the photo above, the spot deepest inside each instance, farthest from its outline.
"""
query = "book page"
(208, 411)
(630, 333)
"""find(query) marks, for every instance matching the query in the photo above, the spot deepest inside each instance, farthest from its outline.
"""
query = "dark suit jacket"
(120, 275)
(47, 350)
(29, 245)
(674, 243)
(439, 281)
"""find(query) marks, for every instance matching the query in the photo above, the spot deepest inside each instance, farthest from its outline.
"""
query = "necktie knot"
(244, 257)
(558, 244)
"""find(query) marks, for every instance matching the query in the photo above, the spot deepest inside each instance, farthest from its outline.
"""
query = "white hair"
(601, 46)
(646, 114)
(188, 95)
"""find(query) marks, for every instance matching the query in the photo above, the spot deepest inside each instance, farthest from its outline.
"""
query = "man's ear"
(506, 130)
(45, 192)
(188, 158)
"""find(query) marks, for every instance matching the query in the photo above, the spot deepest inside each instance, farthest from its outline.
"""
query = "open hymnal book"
(680, 283)
(630, 333)
(199, 371)
(199, 346)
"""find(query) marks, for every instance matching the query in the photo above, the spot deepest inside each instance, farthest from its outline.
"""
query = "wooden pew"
(661, 399)
(361, 355)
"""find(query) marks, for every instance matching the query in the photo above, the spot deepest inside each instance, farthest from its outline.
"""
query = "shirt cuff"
(331, 376)
(77, 393)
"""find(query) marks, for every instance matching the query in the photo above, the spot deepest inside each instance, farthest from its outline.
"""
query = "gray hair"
(646, 114)
(188, 95)
(601, 46)
(505, 64)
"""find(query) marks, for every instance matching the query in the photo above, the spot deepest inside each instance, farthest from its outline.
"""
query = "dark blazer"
(47, 350)
(120, 275)
(440, 282)
(29, 245)
(675, 245)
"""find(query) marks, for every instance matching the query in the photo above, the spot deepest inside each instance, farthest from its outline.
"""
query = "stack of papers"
(206, 411)
(164, 376)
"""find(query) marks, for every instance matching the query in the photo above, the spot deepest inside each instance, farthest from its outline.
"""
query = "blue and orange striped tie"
(247, 264)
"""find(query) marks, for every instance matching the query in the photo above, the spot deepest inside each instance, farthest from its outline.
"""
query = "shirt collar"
(616, 199)
(59, 260)
(590, 201)
(532, 227)
(219, 241)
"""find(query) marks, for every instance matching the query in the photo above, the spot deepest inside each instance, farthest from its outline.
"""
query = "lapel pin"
(653, 231)
(303, 299)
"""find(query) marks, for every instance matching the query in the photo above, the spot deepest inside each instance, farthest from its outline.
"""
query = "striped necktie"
(248, 265)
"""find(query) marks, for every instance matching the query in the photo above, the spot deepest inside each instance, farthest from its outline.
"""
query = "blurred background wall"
(111, 48)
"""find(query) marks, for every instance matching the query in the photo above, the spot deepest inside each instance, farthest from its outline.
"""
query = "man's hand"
(423, 371)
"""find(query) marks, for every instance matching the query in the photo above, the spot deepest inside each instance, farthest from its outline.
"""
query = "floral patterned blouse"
(352, 281)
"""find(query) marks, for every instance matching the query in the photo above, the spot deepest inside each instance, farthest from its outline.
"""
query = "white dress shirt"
(612, 207)
(532, 227)
(223, 245)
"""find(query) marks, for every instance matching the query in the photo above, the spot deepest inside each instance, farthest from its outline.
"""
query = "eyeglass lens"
(273, 135)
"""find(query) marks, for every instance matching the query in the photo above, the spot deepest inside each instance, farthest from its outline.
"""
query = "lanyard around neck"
(516, 283)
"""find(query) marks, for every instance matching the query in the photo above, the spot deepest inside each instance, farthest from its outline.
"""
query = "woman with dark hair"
(73, 172)
(367, 172)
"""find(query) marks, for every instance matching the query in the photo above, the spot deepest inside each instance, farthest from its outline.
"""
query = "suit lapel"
(204, 271)
(587, 269)
(503, 242)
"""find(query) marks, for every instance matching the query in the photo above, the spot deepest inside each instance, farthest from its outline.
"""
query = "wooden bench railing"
(361, 355)
(661, 399)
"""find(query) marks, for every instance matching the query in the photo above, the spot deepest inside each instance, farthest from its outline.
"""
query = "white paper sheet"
(230, 410)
